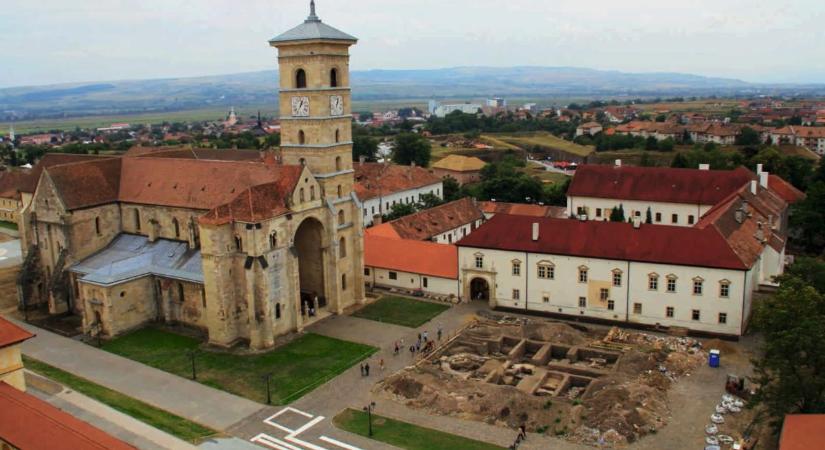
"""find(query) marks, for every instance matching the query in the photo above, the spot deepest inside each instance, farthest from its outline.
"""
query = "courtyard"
(293, 369)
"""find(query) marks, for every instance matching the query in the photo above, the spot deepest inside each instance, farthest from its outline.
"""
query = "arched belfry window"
(333, 78)
(300, 79)
(301, 137)
(338, 164)
(337, 136)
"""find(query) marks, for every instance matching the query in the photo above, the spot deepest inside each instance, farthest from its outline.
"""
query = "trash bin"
(713, 358)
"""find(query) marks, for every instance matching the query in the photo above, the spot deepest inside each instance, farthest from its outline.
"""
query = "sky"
(56, 41)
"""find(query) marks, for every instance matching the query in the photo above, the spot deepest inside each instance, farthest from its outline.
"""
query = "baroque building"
(243, 250)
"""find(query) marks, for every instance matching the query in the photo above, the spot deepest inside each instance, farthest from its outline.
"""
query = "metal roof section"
(129, 257)
(312, 29)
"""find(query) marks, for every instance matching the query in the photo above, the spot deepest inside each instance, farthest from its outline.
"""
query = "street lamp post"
(268, 391)
(194, 371)
(369, 408)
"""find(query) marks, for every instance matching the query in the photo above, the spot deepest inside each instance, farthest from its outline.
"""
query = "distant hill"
(452, 83)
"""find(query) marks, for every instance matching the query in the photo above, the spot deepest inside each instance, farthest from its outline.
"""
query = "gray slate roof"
(129, 257)
(312, 29)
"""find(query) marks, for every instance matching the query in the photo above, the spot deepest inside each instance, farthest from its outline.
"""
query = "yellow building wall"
(11, 367)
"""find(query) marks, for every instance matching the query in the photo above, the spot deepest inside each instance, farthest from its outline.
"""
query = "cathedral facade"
(243, 249)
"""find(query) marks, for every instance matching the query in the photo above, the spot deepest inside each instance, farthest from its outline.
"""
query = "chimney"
(377, 219)
(704, 166)
(759, 169)
(754, 187)
(535, 231)
(763, 179)
(618, 163)
(637, 222)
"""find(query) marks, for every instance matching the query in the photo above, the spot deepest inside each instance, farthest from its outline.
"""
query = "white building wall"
(411, 281)
(709, 304)
(562, 293)
(458, 233)
(383, 205)
(667, 210)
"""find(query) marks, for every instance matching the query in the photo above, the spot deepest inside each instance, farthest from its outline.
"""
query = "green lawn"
(297, 367)
(158, 418)
(543, 139)
(401, 311)
(405, 435)
(9, 225)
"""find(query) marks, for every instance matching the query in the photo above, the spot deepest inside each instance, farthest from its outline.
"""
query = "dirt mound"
(723, 346)
(632, 409)
(559, 333)
(404, 386)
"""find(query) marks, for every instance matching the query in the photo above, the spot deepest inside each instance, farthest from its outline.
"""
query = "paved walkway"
(196, 402)
(102, 416)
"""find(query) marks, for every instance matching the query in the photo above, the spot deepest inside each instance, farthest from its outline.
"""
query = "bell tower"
(315, 102)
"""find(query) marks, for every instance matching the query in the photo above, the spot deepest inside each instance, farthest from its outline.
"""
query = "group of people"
(365, 367)
(422, 344)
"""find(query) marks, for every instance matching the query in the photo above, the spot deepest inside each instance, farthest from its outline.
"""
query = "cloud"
(52, 41)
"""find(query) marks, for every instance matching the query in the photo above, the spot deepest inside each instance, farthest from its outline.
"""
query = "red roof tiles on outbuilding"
(405, 255)
(11, 334)
(803, 432)
(28, 423)
(607, 240)
(657, 184)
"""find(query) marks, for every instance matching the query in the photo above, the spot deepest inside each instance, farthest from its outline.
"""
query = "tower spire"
(312, 16)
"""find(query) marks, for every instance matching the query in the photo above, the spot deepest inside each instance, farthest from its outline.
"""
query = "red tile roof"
(374, 179)
(29, 185)
(657, 184)
(196, 153)
(11, 334)
(385, 230)
(29, 423)
(246, 190)
(784, 189)
(520, 209)
(803, 432)
(421, 257)
(428, 223)
(607, 240)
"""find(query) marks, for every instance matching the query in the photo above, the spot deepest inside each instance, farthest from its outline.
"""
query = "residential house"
(464, 169)
(444, 224)
(381, 186)
(589, 129)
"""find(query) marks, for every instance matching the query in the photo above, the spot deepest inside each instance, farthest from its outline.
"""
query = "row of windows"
(301, 78)
(670, 311)
(394, 276)
(547, 271)
(302, 139)
(656, 218)
(302, 193)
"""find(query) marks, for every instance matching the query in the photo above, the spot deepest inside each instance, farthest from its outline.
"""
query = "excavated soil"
(622, 406)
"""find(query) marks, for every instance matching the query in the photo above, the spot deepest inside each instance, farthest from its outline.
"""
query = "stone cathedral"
(241, 248)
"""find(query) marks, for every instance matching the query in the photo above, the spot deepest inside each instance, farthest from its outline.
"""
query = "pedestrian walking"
(425, 336)
(522, 431)
(419, 336)
(412, 350)
(362, 369)
(418, 346)
(395, 352)
(439, 332)
(381, 364)
(367, 369)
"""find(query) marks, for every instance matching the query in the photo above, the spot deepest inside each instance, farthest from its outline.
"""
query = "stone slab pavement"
(102, 416)
(188, 399)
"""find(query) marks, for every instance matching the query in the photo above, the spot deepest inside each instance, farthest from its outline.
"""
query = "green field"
(8, 225)
(405, 435)
(162, 420)
(401, 311)
(296, 368)
(190, 115)
(547, 177)
(543, 140)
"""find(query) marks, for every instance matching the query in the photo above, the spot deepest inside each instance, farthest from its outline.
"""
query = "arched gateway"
(310, 253)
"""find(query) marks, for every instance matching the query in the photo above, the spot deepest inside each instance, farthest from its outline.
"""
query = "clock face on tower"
(300, 106)
(336, 105)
